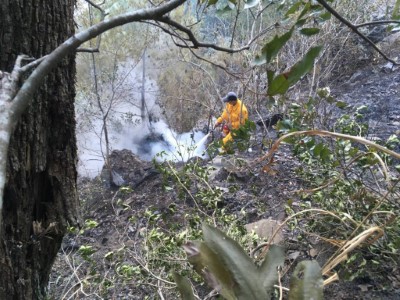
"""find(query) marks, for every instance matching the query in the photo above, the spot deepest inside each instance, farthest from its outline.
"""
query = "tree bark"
(40, 198)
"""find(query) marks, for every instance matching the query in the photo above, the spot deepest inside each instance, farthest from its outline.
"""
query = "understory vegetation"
(349, 196)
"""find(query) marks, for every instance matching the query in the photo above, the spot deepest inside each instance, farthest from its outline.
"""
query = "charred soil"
(108, 258)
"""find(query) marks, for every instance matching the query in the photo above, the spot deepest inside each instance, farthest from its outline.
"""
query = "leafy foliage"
(226, 267)
(343, 179)
(349, 173)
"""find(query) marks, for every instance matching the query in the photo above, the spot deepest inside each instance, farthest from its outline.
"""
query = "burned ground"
(125, 216)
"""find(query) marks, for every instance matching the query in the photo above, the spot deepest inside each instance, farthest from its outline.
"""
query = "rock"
(265, 228)
(117, 179)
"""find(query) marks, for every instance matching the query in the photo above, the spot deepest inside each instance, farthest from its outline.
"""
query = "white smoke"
(149, 140)
(142, 140)
(145, 139)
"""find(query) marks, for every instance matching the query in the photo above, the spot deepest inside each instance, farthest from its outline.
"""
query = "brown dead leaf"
(313, 252)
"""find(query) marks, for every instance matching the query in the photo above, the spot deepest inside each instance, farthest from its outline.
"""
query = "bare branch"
(377, 23)
(33, 64)
(191, 49)
(235, 23)
(88, 50)
(195, 43)
(21, 100)
(103, 14)
(97, 6)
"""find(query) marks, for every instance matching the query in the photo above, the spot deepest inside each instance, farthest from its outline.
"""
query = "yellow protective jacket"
(233, 116)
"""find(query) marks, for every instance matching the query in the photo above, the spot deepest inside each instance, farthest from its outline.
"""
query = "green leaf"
(271, 49)
(269, 267)
(325, 16)
(250, 3)
(301, 22)
(305, 10)
(317, 149)
(284, 125)
(309, 31)
(279, 85)
(306, 282)
(303, 66)
(322, 151)
(247, 284)
(316, 7)
(207, 264)
(270, 76)
(341, 104)
(184, 287)
(325, 154)
(396, 10)
(294, 8)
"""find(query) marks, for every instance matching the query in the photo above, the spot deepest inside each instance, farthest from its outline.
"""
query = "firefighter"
(234, 115)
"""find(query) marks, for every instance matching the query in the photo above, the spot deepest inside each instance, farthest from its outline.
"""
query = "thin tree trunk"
(143, 105)
(104, 119)
(40, 198)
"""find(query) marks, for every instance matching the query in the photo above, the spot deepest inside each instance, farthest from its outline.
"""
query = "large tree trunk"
(40, 198)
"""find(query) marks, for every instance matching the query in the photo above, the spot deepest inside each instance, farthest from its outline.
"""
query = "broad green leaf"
(301, 22)
(309, 31)
(247, 284)
(316, 7)
(270, 76)
(271, 49)
(317, 149)
(306, 282)
(184, 287)
(284, 125)
(251, 3)
(325, 16)
(207, 264)
(303, 66)
(269, 267)
(325, 154)
(305, 10)
(293, 8)
(279, 85)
